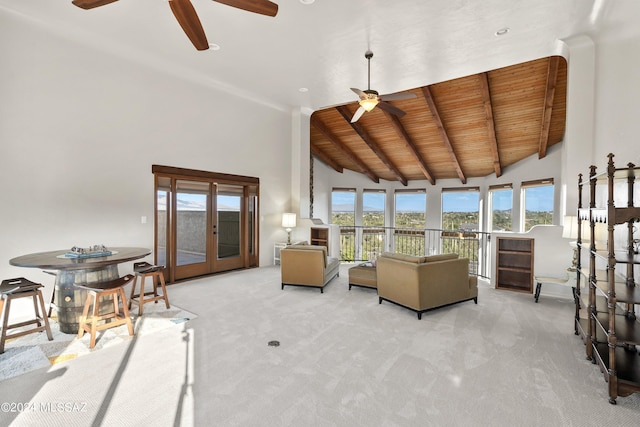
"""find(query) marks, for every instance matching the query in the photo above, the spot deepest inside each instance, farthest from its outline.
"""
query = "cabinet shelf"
(627, 368)
(613, 332)
(514, 264)
(627, 330)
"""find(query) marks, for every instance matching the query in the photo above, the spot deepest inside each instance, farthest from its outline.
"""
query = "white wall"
(80, 129)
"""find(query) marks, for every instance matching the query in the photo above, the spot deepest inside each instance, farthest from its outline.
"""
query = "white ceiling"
(321, 46)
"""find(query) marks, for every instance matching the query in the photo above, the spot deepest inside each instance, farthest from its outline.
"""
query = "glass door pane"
(228, 230)
(163, 199)
(191, 201)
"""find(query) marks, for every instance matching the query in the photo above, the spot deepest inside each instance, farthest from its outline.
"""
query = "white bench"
(569, 280)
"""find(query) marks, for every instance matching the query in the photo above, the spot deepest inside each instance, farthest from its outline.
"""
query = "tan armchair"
(423, 283)
(307, 265)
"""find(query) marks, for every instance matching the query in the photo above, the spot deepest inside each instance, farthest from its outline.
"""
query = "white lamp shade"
(570, 230)
(288, 220)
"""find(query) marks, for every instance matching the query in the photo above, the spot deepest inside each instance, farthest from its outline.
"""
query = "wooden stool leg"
(34, 297)
(53, 297)
(164, 290)
(154, 281)
(133, 290)
(143, 278)
(5, 320)
(125, 310)
(83, 319)
(44, 317)
(94, 319)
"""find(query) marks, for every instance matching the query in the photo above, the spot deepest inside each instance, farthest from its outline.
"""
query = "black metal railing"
(359, 243)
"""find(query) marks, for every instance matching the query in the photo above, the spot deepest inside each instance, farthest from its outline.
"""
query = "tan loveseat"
(307, 265)
(423, 283)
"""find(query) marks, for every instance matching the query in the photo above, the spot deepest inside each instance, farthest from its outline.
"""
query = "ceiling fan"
(370, 98)
(188, 18)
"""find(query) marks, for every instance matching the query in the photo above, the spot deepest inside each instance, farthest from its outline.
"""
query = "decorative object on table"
(90, 252)
(288, 222)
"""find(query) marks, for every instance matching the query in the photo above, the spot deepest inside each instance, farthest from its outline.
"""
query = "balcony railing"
(365, 243)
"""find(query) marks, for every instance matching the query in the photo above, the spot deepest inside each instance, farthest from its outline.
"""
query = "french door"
(205, 222)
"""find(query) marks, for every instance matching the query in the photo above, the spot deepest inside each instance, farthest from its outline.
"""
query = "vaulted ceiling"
(467, 127)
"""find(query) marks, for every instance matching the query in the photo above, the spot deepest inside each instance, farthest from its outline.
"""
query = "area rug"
(34, 351)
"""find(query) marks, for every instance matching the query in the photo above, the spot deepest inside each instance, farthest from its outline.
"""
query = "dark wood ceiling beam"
(346, 114)
(324, 130)
(443, 133)
(402, 133)
(491, 125)
(552, 78)
(325, 158)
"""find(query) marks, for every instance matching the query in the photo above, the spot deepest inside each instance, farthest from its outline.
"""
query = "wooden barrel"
(70, 299)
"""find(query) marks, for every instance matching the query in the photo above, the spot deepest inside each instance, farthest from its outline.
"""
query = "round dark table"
(69, 299)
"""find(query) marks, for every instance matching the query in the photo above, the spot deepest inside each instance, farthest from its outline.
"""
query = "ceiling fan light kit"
(370, 98)
(188, 19)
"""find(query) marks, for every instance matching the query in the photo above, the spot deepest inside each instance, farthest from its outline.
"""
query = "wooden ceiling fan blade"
(398, 96)
(360, 93)
(90, 4)
(188, 19)
(391, 109)
(359, 112)
(262, 7)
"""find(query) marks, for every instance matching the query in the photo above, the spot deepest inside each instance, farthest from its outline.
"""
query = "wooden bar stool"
(95, 292)
(144, 270)
(20, 287)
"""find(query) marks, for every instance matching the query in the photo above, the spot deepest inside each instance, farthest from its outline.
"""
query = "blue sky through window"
(502, 200)
(539, 199)
(411, 202)
(460, 201)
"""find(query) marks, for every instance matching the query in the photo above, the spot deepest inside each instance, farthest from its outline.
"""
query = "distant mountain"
(190, 205)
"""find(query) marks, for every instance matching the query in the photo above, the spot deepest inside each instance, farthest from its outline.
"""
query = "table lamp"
(288, 222)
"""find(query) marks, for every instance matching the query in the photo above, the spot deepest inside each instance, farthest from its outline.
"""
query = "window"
(410, 222)
(537, 201)
(373, 232)
(411, 209)
(373, 202)
(460, 208)
(343, 206)
(501, 206)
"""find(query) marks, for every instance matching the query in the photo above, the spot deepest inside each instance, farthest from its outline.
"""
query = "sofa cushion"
(441, 257)
(322, 249)
(403, 257)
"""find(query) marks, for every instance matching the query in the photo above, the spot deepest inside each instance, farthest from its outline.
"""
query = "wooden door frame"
(175, 173)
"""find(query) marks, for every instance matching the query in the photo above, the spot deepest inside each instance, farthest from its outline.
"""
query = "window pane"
(410, 216)
(343, 208)
(411, 210)
(501, 210)
(373, 209)
(460, 210)
(538, 205)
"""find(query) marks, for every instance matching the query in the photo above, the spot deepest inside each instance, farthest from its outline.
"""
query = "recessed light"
(502, 31)
(214, 46)
(303, 89)
(307, 1)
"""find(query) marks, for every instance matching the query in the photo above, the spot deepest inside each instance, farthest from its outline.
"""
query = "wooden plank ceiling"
(473, 126)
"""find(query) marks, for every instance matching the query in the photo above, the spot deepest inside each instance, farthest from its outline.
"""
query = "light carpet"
(34, 351)
(344, 360)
